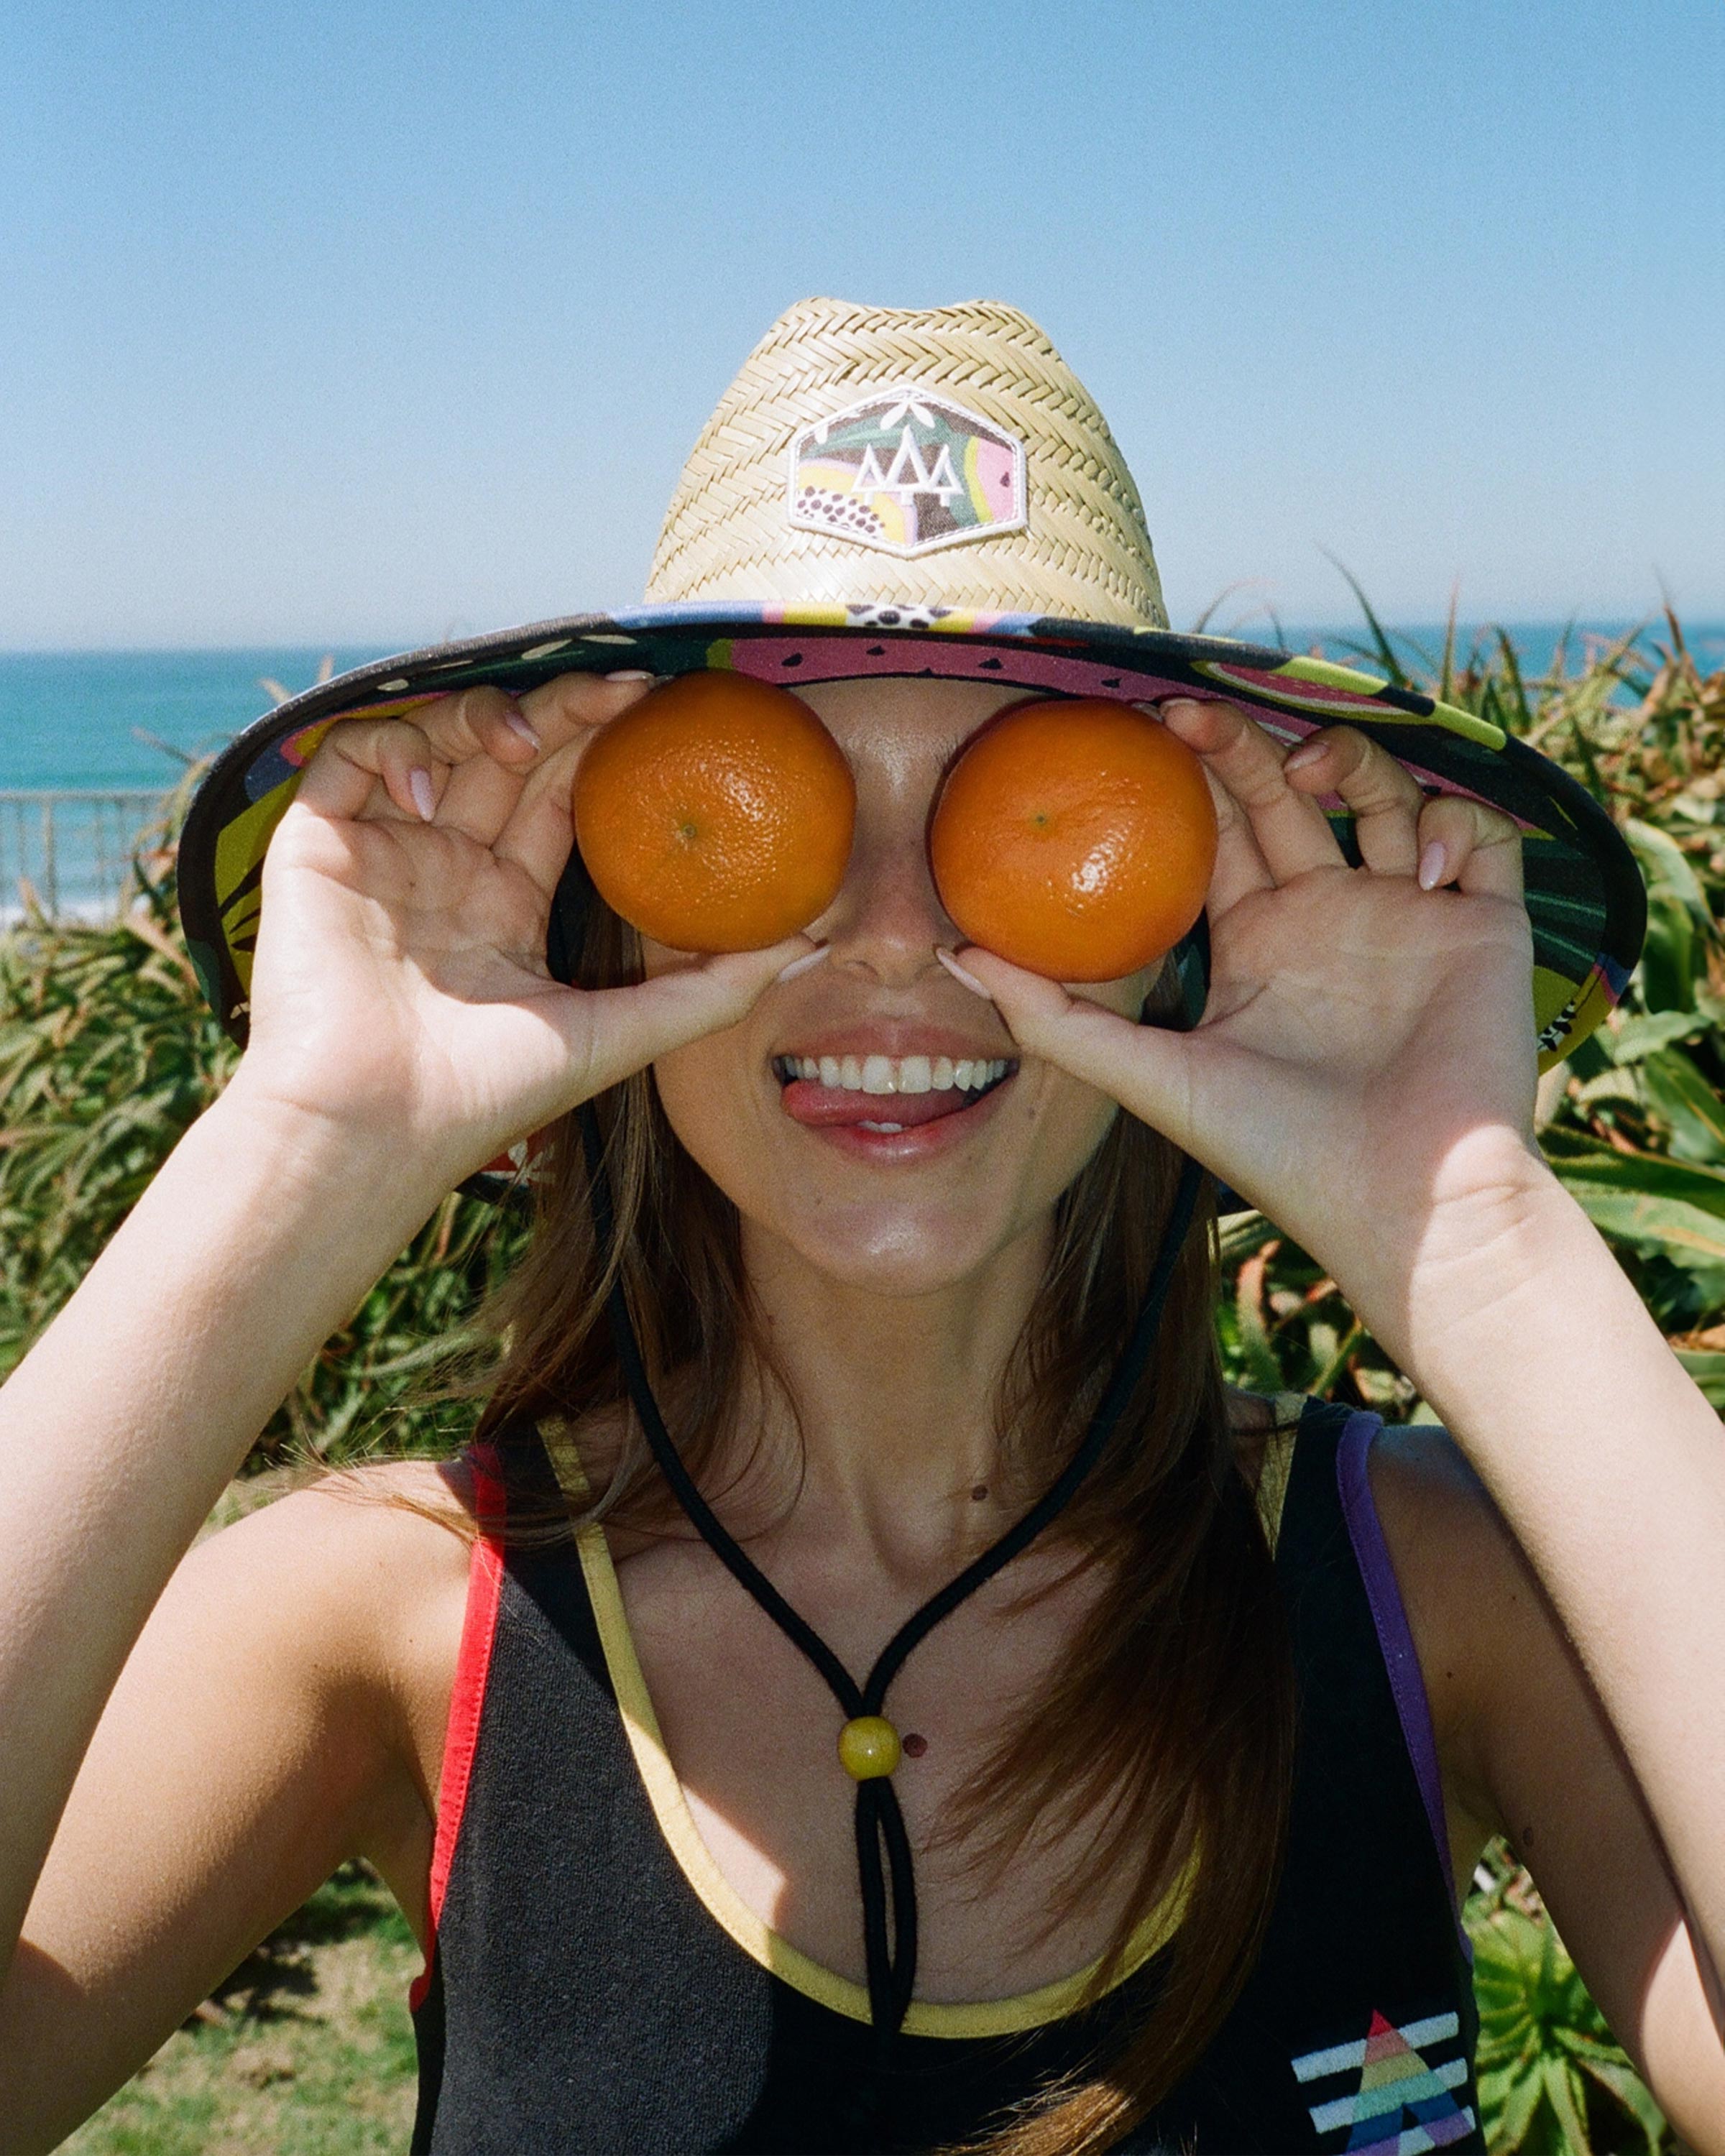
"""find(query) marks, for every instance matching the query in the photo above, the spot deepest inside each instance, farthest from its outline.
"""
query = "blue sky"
(375, 321)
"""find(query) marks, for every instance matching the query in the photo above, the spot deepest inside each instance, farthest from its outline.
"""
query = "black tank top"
(596, 1986)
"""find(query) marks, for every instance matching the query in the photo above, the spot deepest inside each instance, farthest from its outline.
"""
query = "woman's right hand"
(400, 984)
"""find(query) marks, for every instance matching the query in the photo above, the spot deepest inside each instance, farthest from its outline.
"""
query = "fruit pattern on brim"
(1586, 897)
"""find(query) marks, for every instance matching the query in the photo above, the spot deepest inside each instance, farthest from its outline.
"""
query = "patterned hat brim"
(1585, 895)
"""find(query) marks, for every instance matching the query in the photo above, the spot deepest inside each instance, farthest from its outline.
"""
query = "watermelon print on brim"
(1585, 896)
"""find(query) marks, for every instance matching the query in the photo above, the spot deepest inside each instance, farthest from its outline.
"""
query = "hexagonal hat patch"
(906, 472)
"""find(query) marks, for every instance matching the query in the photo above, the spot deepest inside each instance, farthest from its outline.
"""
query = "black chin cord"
(869, 1746)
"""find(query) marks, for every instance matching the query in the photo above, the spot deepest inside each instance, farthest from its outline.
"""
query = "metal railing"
(67, 851)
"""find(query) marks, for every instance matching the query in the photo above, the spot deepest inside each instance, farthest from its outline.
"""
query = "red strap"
(467, 1695)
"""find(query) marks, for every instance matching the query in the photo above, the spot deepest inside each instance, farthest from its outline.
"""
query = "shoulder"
(341, 1605)
(1446, 1537)
(359, 1577)
(1429, 1498)
(346, 1526)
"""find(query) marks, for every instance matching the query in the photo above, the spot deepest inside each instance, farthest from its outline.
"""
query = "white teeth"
(889, 1074)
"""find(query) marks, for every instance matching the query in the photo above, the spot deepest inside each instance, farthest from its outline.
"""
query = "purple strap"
(1395, 1641)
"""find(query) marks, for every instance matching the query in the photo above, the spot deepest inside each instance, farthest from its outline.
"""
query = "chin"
(890, 1249)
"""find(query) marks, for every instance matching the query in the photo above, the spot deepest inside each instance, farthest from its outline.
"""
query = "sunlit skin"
(1364, 1071)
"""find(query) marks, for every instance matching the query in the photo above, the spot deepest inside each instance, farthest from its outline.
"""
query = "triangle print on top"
(1399, 2102)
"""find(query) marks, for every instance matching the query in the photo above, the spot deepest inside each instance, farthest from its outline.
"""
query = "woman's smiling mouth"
(867, 1098)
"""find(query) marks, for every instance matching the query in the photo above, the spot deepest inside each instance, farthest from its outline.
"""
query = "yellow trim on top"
(990, 2017)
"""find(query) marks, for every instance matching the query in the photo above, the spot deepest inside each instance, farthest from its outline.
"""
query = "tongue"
(825, 1107)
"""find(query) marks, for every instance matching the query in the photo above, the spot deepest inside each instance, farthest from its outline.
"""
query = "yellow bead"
(868, 1747)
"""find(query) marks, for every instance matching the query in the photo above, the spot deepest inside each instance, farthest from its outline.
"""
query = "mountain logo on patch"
(1400, 2103)
(905, 472)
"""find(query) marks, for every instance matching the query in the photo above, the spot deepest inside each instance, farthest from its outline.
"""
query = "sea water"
(136, 718)
(129, 723)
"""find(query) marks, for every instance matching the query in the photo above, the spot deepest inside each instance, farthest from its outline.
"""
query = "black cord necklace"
(869, 1745)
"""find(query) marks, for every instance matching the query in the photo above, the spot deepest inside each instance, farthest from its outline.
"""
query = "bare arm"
(283, 1711)
(404, 1031)
(122, 1427)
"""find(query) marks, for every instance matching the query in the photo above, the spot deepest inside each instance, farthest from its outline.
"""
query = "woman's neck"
(894, 1432)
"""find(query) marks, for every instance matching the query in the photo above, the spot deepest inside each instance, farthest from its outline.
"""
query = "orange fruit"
(1076, 838)
(715, 814)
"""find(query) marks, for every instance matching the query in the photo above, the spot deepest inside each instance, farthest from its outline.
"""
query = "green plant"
(107, 1054)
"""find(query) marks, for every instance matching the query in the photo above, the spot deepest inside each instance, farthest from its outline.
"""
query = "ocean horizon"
(134, 719)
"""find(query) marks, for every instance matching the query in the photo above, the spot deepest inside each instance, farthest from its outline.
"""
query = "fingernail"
(1433, 866)
(517, 725)
(425, 797)
(630, 674)
(1308, 753)
(959, 973)
(806, 963)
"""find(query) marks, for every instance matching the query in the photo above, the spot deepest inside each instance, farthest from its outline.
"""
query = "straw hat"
(932, 492)
(943, 461)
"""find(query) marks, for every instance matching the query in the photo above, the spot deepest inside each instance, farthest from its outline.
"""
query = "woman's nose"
(887, 918)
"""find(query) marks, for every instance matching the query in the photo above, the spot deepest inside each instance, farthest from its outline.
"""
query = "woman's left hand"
(1366, 1058)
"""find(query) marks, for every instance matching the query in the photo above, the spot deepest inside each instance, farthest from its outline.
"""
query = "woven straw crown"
(1082, 551)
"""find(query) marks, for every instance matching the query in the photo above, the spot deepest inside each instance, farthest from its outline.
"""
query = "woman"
(1187, 1783)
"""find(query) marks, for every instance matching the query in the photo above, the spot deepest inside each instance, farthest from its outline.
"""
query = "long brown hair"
(1170, 1720)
